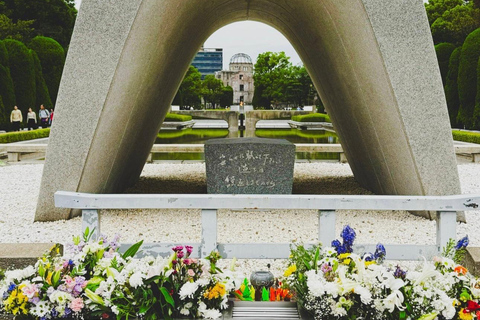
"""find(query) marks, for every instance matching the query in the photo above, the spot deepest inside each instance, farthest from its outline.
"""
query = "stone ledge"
(472, 260)
(21, 255)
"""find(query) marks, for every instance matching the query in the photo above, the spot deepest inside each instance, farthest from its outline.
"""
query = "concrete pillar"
(13, 156)
(372, 61)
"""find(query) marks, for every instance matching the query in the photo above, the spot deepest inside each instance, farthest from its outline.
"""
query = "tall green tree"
(212, 90)
(226, 100)
(451, 86)
(21, 30)
(22, 70)
(52, 18)
(467, 79)
(7, 94)
(42, 96)
(52, 59)
(452, 20)
(190, 89)
(444, 51)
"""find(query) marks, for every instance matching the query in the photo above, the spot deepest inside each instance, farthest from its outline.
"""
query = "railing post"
(91, 219)
(446, 228)
(209, 232)
(326, 227)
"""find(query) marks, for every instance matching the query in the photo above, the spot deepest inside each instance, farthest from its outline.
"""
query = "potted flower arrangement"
(94, 281)
(335, 283)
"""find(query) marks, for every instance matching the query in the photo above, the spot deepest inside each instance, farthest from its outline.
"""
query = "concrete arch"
(372, 61)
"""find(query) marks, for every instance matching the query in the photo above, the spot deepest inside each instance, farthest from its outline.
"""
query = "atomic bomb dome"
(241, 58)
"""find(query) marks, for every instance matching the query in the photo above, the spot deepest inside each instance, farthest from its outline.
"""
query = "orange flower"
(461, 270)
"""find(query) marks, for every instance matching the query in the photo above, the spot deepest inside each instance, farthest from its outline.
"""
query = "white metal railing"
(444, 206)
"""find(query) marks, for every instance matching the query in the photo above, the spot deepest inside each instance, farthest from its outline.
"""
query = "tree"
(444, 51)
(6, 82)
(23, 73)
(212, 90)
(452, 20)
(3, 116)
(52, 18)
(226, 100)
(42, 96)
(190, 89)
(451, 86)
(52, 59)
(467, 78)
(21, 30)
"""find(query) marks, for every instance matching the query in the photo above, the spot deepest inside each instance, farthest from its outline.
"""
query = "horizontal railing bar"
(282, 250)
(74, 200)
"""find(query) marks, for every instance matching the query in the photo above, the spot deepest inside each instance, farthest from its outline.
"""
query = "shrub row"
(24, 135)
(466, 136)
(313, 117)
(172, 117)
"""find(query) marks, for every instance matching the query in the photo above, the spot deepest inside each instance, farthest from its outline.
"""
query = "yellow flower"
(217, 291)
(367, 263)
(347, 261)
(464, 316)
(290, 270)
(343, 255)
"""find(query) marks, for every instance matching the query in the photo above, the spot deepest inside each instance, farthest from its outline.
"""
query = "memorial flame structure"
(372, 61)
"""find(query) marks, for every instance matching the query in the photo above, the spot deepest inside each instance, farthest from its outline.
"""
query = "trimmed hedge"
(52, 59)
(42, 96)
(451, 86)
(172, 117)
(24, 135)
(467, 78)
(466, 136)
(313, 117)
(7, 94)
(3, 54)
(444, 51)
(22, 71)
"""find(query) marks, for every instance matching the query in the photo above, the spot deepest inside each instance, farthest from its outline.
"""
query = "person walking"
(16, 118)
(51, 118)
(44, 116)
(31, 119)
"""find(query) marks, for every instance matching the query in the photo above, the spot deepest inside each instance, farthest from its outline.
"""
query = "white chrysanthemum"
(60, 297)
(19, 274)
(92, 247)
(41, 309)
(136, 280)
(188, 290)
(211, 314)
(114, 309)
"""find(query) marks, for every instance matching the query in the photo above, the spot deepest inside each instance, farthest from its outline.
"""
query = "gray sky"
(248, 37)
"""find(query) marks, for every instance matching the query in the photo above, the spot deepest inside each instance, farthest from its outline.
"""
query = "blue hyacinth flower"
(462, 243)
(348, 235)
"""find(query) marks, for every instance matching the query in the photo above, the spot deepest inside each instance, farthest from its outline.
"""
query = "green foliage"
(466, 136)
(190, 89)
(226, 100)
(24, 135)
(6, 90)
(277, 81)
(467, 79)
(172, 136)
(3, 116)
(312, 117)
(22, 71)
(212, 90)
(3, 55)
(52, 59)
(21, 30)
(41, 89)
(444, 51)
(51, 18)
(452, 20)
(172, 117)
(451, 86)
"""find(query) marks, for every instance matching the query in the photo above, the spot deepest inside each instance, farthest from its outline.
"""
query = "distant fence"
(444, 206)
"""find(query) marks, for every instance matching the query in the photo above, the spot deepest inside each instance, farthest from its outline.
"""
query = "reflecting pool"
(194, 136)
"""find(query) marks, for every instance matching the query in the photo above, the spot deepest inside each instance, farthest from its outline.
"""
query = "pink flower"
(190, 272)
(30, 290)
(76, 305)
(69, 283)
(187, 261)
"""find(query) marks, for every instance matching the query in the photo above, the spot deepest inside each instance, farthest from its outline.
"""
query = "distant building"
(239, 77)
(208, 61)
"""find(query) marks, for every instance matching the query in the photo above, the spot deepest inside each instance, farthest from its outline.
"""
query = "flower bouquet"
(94, 281)
(335, 283)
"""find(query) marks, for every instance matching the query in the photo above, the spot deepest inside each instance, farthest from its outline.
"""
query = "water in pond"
(194, 136)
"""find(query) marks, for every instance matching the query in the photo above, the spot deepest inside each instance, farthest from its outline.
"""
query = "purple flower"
(380, 252)
(326, 268)
(11, 286)
(189, 249)
(115, 243)
(54, 313)
(177, 248)
(348, 235)
(180, 254)
(462, 243)
(399, 273)
(34, 300)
